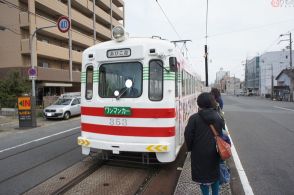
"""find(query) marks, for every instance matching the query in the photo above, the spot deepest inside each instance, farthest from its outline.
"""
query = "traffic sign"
(32, 71)
(63, 24)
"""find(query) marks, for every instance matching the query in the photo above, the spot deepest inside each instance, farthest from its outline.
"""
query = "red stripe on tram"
(136, 112)
(129, 131)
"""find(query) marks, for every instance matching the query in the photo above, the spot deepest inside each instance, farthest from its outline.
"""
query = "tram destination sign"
(124, 111)
(117, 53)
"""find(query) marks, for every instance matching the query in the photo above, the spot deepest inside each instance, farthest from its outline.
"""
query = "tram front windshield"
(112, 77)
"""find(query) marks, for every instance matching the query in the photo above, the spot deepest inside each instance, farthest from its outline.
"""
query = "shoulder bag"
(223, 148)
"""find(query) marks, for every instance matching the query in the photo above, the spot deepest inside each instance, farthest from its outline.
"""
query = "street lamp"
(290, 45)
(33, 101)
(33, 54)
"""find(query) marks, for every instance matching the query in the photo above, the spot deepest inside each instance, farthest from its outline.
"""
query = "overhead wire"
(173, 27)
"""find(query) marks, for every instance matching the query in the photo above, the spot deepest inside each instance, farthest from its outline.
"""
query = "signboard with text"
(24, 111)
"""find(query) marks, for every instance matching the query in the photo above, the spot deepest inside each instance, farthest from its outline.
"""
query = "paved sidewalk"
(9, 124)
(188, 187)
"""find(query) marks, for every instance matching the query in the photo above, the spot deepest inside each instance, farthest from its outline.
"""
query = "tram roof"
(146, 43)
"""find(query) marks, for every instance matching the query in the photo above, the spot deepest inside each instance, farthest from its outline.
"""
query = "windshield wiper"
(122, 92)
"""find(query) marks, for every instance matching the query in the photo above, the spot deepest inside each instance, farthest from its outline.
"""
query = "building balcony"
(116, 12)
(78, 19)
(56, 52)
(118, 3)
(77, 38)
(51, 51)
(57, 75)
(101, 15)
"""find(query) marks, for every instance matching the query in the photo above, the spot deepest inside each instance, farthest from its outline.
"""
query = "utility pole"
(94, 21)
(205, 49)
(290, 50)
(69, 41)
(272, 83)
(234, 84)
(206, 65)
(290, 46)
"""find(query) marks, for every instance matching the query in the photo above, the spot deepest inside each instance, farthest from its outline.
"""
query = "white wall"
(276, 60)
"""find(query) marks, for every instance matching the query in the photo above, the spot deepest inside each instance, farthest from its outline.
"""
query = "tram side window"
(89, 82)
(155, 80)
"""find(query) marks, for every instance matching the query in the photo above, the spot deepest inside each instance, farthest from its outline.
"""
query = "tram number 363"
(118, 122)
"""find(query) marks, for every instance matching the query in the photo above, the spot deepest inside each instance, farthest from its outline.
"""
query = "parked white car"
(64, 107)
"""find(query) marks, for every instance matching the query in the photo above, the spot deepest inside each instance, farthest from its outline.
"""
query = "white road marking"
(283, 108)
(244, 180)
(40, 139)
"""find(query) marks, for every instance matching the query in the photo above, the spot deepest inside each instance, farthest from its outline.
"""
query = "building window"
(43, 64)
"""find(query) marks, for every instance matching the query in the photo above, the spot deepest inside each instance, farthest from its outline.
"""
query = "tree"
(10, 88)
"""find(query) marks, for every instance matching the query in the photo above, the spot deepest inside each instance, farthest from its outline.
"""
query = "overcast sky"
(237, 29)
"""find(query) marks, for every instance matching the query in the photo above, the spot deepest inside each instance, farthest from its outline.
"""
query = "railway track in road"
(95, 176)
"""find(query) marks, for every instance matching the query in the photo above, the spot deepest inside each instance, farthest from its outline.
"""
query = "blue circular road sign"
(63, 24)
(32, 72)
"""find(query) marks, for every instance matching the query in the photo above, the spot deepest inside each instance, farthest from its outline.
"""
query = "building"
(57, 73)
(220, 75)
(252, 76)
(233, 86)
(271, 64)
(285, 85)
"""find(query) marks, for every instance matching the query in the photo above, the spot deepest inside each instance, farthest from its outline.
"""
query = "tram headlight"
(119, 33)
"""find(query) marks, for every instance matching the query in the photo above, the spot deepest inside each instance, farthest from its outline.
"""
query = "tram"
(137, 95)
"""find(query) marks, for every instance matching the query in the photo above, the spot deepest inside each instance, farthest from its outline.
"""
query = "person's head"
(205, 100)
(215, 92)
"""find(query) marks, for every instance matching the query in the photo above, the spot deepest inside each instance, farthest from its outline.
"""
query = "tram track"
(97, 176)
(110, 174)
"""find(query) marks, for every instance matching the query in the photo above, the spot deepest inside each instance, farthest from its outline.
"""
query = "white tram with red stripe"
(137, 95)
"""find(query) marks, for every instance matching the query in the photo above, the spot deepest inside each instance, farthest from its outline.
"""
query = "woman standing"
(217, 96)
(200, 141)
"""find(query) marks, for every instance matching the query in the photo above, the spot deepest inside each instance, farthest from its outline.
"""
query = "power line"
(169, 20)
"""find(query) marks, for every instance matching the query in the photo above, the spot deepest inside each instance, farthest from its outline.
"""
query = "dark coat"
(200, 141)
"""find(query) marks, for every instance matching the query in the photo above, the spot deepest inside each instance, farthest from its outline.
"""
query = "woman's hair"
(205, 100)
(215, 92)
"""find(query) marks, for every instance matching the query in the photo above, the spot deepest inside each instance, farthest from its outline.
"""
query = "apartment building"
(56, 74)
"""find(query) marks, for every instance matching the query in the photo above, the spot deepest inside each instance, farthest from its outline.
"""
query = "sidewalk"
(11, 123)
(188, 187)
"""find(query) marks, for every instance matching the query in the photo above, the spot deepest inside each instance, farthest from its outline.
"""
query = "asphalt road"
(29, 157)
(263, 134)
